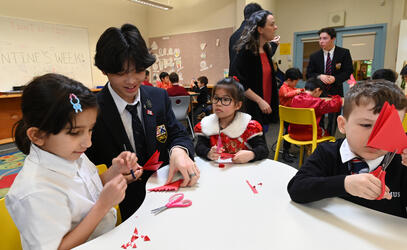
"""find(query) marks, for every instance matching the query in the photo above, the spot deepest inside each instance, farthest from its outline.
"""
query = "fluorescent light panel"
(153, 4)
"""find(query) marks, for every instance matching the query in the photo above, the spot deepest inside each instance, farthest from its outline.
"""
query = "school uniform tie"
(328, 66)
(358, 166)
(138, 133)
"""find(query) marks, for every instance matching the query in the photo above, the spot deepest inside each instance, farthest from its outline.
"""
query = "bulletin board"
(31, 48)
(192, 55)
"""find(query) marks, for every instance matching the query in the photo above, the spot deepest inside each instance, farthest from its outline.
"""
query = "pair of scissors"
(177, 200)
(380, 172)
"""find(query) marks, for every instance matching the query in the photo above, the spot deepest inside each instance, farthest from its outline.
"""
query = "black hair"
(147, 72)
(403, 71)
(250, 38)
(232, 87)
(293, 74)
(163, 75)
(330, 31)
(174, 77)
(117, 47)
(386, 74)
(250, 9)
(313, 83)
(46, 105)
(376, 91)
(203, 79)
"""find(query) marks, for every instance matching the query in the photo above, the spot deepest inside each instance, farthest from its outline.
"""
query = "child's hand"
(243, 156)
(366, 186)
(404, 157)
(213, 153)
(113, 192)
(124, 163)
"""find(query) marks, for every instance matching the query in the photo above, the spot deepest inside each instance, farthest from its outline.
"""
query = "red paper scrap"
(146, 238)
(124, 246)
(133, 238)
(135, 231)
(173, 186)
(388, 133)
(153, 164)
(221, 165)
(260, 183)
(252, 187)
(7, 180)
(226, 156)
(134, 245)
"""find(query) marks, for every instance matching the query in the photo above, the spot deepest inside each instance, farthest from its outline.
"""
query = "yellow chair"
(9, 235)
(405, 123)
(101, 169)
(302, 116)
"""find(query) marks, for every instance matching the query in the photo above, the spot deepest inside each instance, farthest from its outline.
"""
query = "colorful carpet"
(10, 165)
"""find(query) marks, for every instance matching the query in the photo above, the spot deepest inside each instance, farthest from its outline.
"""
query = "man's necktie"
(138, 133)
(358, 166)
(328, 66)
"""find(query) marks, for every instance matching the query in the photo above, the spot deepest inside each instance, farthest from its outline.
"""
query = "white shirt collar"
(54, 162)
(347, 155)
(120, 103)
(331, 51)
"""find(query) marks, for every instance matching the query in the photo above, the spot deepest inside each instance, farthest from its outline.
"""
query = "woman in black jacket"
(253, 67)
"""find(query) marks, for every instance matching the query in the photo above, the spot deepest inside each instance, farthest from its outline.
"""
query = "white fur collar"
(210, 125)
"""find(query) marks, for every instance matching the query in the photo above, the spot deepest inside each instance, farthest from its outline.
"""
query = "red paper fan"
(173, 186)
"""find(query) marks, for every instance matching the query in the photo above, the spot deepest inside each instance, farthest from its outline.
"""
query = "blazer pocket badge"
(161, 133)
(338, 65)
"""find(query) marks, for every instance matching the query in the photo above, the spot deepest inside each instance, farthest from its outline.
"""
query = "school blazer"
(341, 65)
(109, 134)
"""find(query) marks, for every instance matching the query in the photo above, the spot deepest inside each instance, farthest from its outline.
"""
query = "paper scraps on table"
(153, 164)
(388, 133)
(133, 238)
(173, 186)
(253, 188)
(225, 158)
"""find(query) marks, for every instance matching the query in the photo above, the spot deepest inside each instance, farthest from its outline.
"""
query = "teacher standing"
(253, 67)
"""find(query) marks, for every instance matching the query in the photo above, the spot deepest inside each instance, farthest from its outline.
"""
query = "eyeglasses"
(226, 101)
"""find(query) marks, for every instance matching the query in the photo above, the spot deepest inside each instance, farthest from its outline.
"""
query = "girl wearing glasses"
(239, 134)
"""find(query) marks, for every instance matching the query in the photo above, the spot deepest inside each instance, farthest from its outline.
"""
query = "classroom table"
(226, 214)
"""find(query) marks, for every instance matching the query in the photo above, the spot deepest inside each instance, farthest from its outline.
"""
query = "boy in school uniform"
(176, 89)
(341, 168)
(200, 87)
(310, 99)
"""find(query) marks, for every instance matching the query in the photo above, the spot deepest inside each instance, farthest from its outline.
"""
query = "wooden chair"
(9, 235)
(302, 116)
(101, 169)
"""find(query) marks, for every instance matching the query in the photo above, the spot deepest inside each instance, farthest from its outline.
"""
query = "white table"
(226, 214)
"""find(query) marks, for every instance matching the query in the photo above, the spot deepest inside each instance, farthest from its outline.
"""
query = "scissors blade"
(158, 210)
(388, 158)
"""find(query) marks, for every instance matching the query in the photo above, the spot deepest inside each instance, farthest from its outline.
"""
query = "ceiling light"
(153, 4)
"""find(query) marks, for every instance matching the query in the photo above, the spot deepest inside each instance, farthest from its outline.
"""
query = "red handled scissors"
(380, 172)
(177, 200)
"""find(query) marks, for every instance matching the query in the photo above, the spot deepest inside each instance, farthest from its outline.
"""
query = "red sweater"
(321, 107)
(286, 94)
(177, 90)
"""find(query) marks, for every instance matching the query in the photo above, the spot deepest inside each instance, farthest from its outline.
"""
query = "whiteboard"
(30, 48)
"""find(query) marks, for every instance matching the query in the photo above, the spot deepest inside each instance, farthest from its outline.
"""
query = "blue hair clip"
(76, 105)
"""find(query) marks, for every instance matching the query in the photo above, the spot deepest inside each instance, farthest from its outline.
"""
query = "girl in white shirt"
(58, 200)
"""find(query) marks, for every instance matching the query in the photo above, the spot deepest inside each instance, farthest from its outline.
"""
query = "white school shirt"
(51, 195)
(347, 155)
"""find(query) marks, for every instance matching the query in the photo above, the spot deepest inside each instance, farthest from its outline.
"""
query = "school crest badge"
(338, 65)
(161, 133)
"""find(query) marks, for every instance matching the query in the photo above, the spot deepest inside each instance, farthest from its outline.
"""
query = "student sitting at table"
(58, 200)
(240, 135)
(147, 78)
(175, 89)
(341, 168)
(310, 99)
(200, 86)
(286, 94)
(164, 82)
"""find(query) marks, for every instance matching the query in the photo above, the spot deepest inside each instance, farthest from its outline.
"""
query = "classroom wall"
(95, 15)
(294, 16)
(191, 16)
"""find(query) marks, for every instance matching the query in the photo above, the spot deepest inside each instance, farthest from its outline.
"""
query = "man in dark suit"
(135, 117)
(332, 65)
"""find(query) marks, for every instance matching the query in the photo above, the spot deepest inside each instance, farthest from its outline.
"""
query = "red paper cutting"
(135, 231)
(352, 80)
(173, 186)
(388, 133)
(7, 180)
(134, 245)
(226, 156)
(146, 238)
(252, 188)
(153, 164)
(221, 165)
(133, 238)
